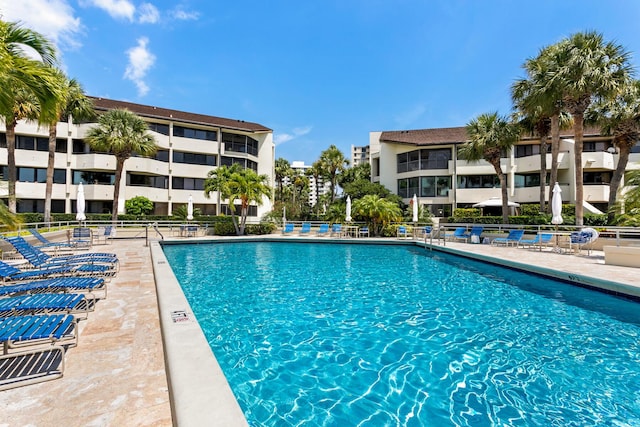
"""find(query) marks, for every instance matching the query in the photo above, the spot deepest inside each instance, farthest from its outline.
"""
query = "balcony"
(598, 160)
(96, 162)
(532, 163)
(598, 193)
(146, 165)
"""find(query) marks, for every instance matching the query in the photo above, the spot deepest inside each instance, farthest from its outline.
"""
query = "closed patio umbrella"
(190, 209)
(348, 212)
(80, 204)
(415, 208)
(556, 210)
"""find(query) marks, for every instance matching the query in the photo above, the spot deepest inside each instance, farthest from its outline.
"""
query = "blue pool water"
(365, 335)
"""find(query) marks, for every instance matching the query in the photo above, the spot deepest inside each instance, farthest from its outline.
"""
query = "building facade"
(190, 145)
(426, 163)
(359, 155)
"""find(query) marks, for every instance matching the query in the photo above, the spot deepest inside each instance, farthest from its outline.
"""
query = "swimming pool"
(321, 334)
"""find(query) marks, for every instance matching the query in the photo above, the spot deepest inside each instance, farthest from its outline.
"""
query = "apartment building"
(359, 155)
(316, 188)
(190, 145)
(425, 162)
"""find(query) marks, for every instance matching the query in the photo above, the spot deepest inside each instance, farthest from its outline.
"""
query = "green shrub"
(224, 229)
(467, 213)
(259, 229)
(138, 206)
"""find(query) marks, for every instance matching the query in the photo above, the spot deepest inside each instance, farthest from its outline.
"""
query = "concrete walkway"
(116, 376)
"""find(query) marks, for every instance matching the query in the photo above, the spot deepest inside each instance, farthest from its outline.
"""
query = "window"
(162, 155)
(425, 186)
(194, 158)
(178, 183)
(245, 163)
(251, 210)
(435, 159)
(594, 146)
(634, 149)
(87, 177)
(159, 128)
(40, 175)
(61, 145)
(240, 143)
(527, 180)
(25, 142)
(478, 181)
(27, 205)
(137, 180)
(528, 150)
(209, 135)
(596, 178)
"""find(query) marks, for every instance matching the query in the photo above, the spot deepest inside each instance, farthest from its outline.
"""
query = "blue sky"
(316, 72)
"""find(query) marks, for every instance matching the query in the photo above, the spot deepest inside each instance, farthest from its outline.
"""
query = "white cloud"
(281, 138)
(52, 18)
(140, 61)
(148, 14)
(119, 9)
(183, 15)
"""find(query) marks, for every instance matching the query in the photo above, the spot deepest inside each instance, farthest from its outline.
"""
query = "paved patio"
(116, 376)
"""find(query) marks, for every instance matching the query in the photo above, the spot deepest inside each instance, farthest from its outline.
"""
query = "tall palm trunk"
(543, 172)
(116, 187)
(50, 167)
(12, 170)
(504, 191)
(578, 127)
(616, 178)
(555, 151)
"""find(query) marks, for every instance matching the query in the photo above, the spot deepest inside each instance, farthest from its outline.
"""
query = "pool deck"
(117, 375)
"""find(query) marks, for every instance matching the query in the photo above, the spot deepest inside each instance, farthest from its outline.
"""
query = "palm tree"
(620, 117)
(586, 67)
(630, 202)
(282, 170)
(18, 69)
(376, 211)
(25, 106)
(540, 102)
(235, 183)
(73, 103)
(489, 136)
(27, 86)
(123, 134)
(332, 162)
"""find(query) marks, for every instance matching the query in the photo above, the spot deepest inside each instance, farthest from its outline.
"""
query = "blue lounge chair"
(306, 228)
(336, 230)
(542, 239)
(476, 231)
(363, 232)
(81, 237)
(513, 238)
(75, 304)
(47, 244)
(401, 232)
(288, 228)
(33, 348)
(458, 233)
(85, 285)
(323, 230)
(9, 273)
(89, 263)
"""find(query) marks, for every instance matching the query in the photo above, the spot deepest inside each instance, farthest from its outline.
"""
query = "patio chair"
(104, 234)
(584, 239)
(23, 305)
(33, 348)
(401, 232)
(81, 237)
(323, 230)
(336, 230)
(288, 228)
(458, 233)
(47, 244)
(85, 285)
(424, 232)
(363, 232)
(513, 238)
(473, 235)
(306, 228)
(542, 239)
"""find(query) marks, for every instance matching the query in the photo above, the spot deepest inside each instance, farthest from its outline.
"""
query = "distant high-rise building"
(359, 155)
(316, 189)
